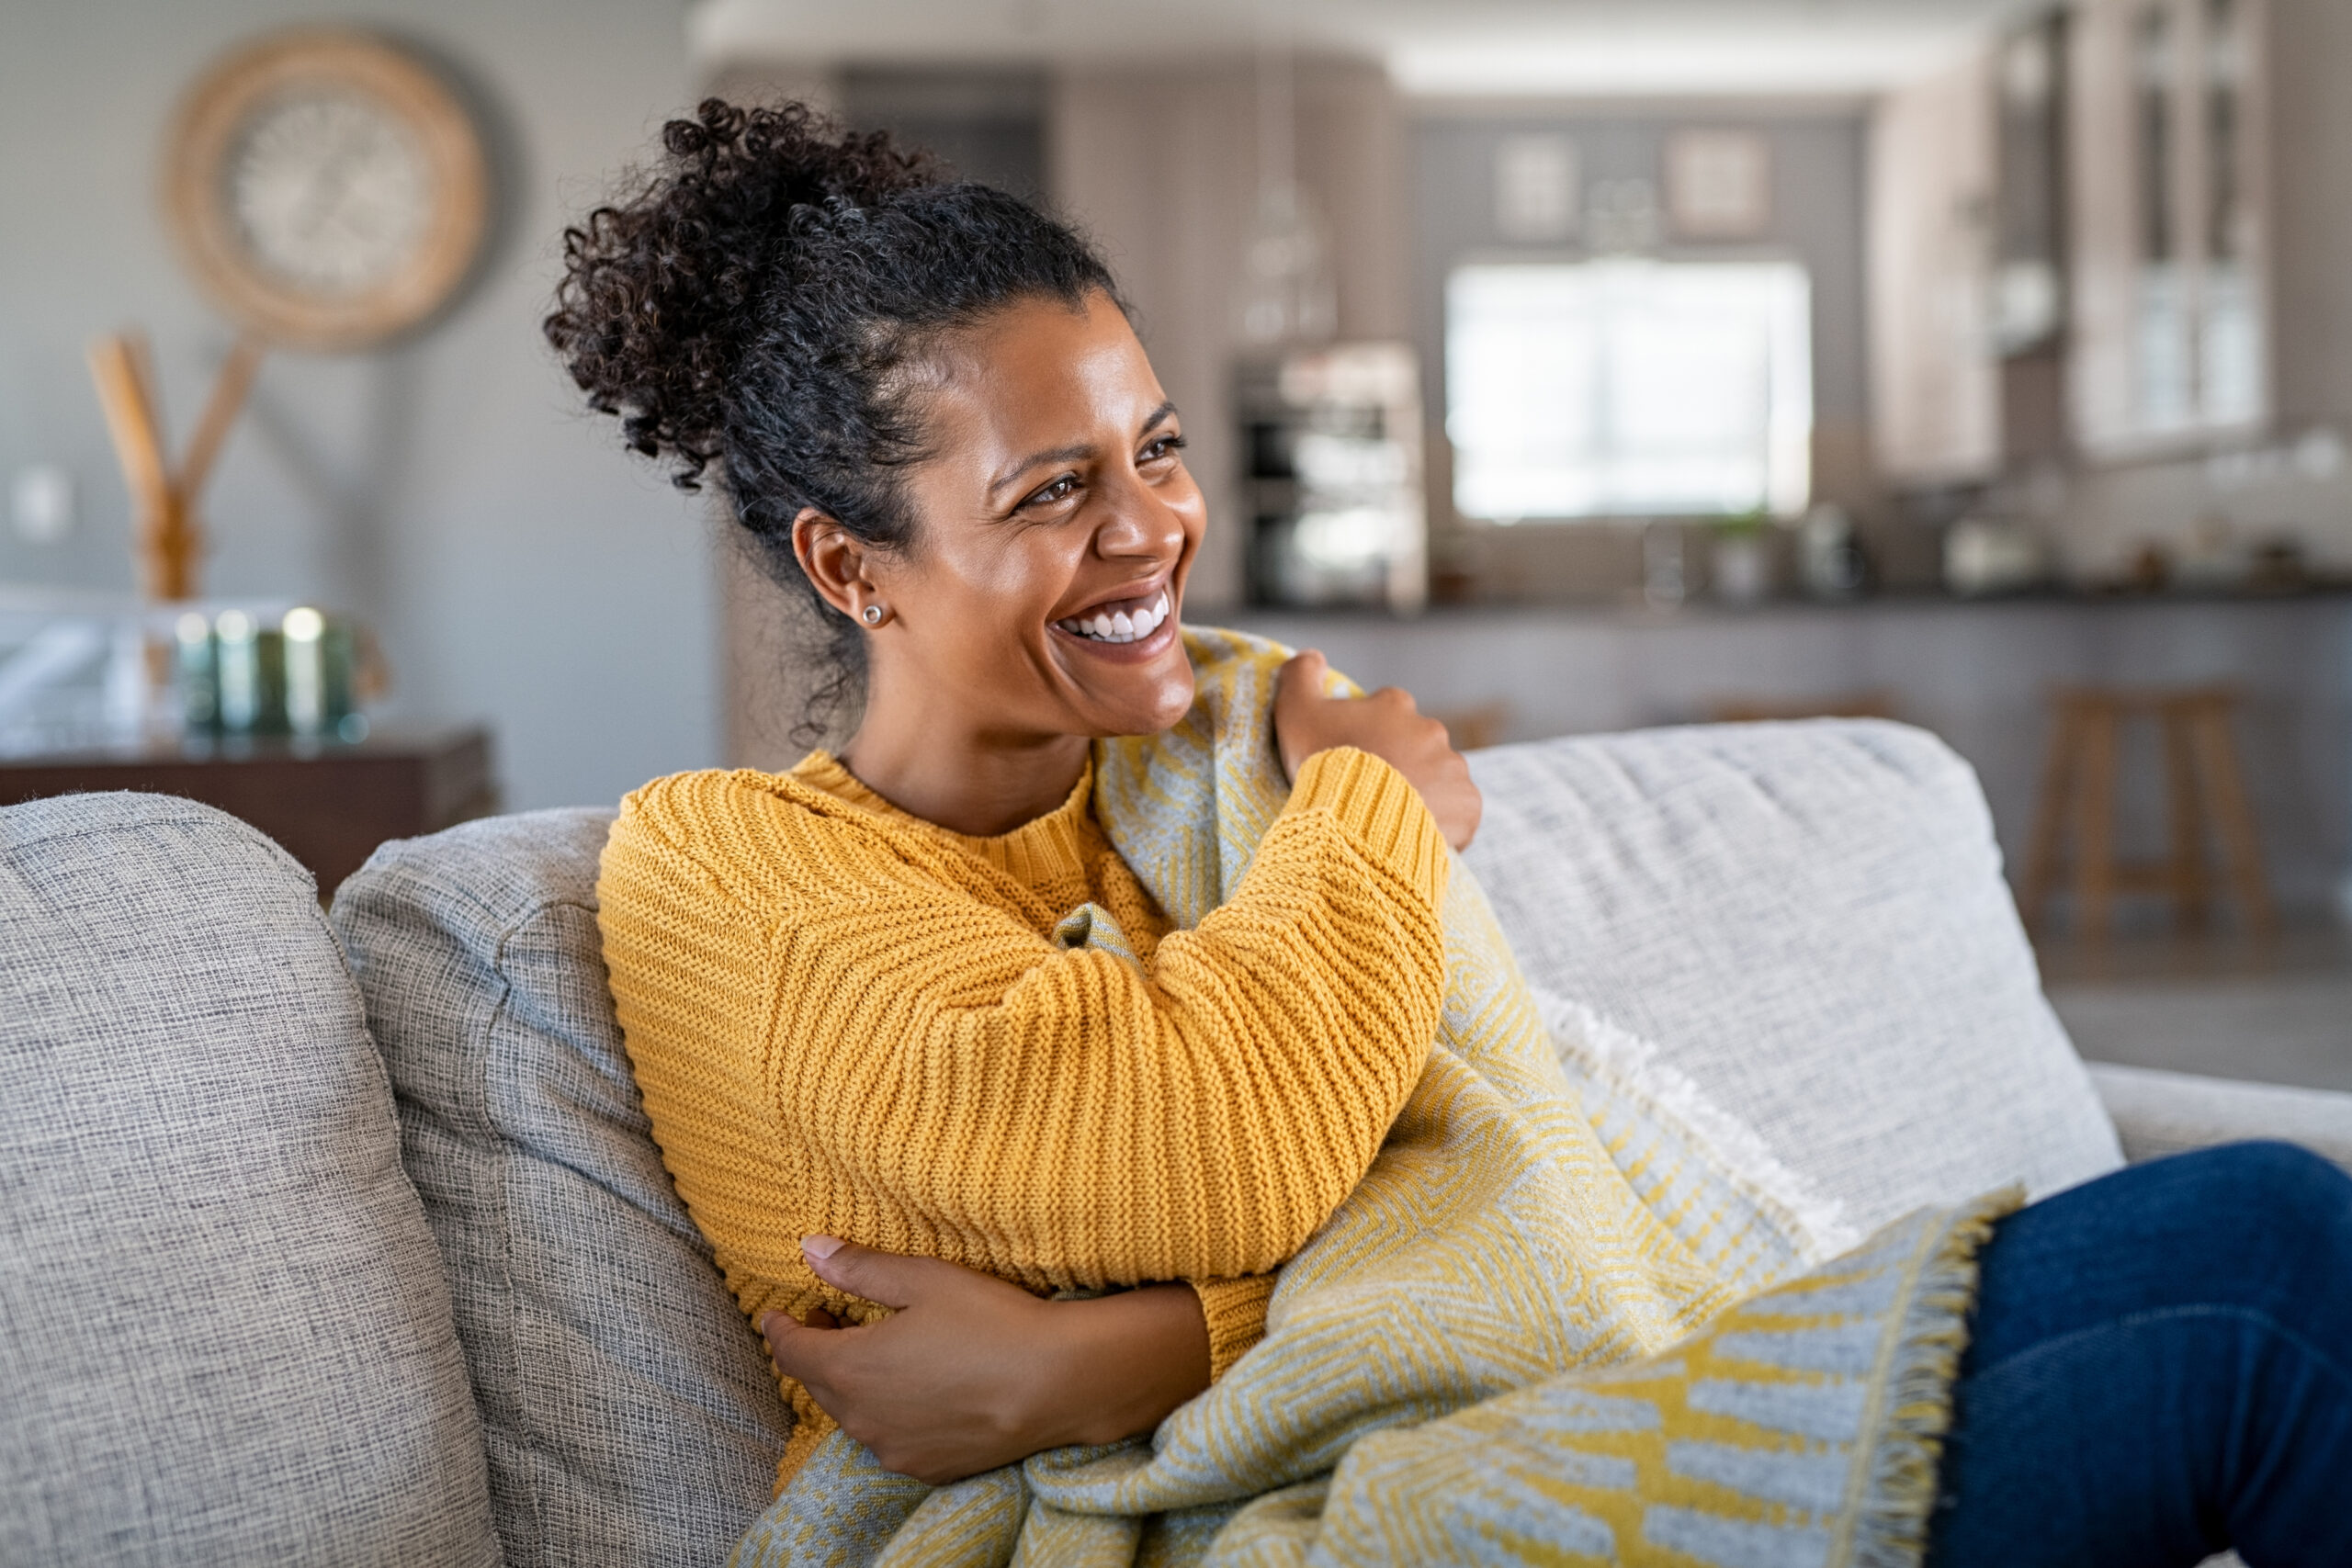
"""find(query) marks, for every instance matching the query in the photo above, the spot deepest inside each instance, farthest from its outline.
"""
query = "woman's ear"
(836, 561)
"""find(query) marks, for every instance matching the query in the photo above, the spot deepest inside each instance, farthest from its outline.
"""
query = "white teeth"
(1120, 625)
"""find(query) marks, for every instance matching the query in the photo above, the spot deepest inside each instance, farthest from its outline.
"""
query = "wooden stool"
(1474, 730)
(1874, 704)
(2204, 787)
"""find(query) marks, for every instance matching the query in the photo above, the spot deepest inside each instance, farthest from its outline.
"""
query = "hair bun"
(660, 292)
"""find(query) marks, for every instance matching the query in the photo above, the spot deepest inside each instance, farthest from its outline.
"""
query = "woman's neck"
(964, 782)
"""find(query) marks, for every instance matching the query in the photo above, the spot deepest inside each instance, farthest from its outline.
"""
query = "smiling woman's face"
(1055, 527)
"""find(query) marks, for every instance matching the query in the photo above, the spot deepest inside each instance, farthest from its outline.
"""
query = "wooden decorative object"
(169, 539)
(328, 190)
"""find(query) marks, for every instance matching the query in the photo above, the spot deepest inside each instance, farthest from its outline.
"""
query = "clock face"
(327, 190)
(330, 192)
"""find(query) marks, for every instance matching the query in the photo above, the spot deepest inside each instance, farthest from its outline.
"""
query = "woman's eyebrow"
(1070, 454)
(1035, 459)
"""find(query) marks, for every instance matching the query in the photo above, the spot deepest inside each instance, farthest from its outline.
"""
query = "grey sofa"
(339, 1238)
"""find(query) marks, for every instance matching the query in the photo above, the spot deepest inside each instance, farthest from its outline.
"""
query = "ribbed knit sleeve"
(1235, 1311)
(841, 1025)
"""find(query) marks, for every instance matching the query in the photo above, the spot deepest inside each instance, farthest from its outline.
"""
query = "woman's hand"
(969, 1372)
(1386, 724)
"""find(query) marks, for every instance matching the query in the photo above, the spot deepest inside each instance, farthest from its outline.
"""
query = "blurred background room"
(1578, 364)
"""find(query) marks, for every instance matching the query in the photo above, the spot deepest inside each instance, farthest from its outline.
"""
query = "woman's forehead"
(1041, 371)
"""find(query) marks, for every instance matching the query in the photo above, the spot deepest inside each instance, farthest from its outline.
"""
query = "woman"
(916, 988)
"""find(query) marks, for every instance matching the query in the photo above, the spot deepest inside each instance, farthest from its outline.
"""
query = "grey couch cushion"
(630, 1412)
(224, 1335)
(2159, 1113)
(1808, 921)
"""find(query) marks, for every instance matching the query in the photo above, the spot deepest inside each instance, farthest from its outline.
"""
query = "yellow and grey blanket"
(1552, 1324)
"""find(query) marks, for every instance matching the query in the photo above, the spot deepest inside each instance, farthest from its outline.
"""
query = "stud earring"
(873, 615)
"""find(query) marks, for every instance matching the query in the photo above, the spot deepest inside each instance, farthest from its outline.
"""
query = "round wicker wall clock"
(327, 189)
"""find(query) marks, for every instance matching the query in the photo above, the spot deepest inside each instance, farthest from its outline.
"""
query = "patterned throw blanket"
(1558, 1320)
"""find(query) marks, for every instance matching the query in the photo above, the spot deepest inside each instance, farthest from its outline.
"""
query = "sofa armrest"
(2158, 1114)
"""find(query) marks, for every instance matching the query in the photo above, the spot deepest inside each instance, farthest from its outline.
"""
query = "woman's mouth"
(1124, 623)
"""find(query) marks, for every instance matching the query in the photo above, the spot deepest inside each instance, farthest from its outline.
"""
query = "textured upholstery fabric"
(224, 1336)
(1808, 921)
(630, 1413)
(2158, 1114)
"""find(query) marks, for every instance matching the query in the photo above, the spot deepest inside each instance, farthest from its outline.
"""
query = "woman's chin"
(1129, 688)
(1174, 701)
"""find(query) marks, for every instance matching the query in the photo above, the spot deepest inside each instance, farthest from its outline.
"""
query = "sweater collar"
(1045, 847)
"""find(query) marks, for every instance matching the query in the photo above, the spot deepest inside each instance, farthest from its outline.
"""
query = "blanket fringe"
(1890, 1528)
(1814, 1223)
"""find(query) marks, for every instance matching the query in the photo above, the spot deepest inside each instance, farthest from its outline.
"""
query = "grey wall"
(1816, 214)
(520, 567)
(2311, 208)
(988, 124)
(1817, 218)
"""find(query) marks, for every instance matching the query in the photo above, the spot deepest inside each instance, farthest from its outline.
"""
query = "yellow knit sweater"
(845, 1020)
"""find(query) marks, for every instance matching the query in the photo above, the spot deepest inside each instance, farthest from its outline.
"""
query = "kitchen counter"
(1702, 606)
(1976, 671)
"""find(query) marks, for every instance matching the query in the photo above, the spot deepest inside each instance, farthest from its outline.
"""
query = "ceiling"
(1433, 48)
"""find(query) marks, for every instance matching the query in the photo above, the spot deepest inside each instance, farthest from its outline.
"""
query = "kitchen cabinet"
(2170, 337)
(1934, 382)
(2114, 234)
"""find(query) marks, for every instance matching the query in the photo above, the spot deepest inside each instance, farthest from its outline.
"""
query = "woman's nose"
(1140, 525)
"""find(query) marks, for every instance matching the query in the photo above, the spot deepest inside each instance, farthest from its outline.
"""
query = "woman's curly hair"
(751, 309)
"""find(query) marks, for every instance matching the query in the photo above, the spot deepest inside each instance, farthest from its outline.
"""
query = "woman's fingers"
(1298, 685)
(1388, 724)
(800, 1352)
(976, 1373)
(888, 1279)
(960, 1378)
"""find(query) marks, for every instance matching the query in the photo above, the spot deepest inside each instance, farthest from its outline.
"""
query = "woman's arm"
(969, 1372)
(824, 1008)
(1200, 1117)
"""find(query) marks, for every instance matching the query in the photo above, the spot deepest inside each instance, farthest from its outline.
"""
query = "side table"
(329, 803)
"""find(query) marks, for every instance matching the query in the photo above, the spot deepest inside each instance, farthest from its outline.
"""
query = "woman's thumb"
(886, 1278)
(1303, 672)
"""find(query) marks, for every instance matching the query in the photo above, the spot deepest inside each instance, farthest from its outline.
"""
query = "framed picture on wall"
(1718, 184)
(1536, 189)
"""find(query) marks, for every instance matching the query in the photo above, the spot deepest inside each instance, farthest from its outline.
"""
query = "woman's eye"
(1163, 447)
(1060, 490)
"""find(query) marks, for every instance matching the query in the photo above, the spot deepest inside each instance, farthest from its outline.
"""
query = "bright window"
(1629, 388)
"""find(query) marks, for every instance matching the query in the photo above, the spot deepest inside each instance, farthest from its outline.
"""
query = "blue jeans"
(2161, 1366)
